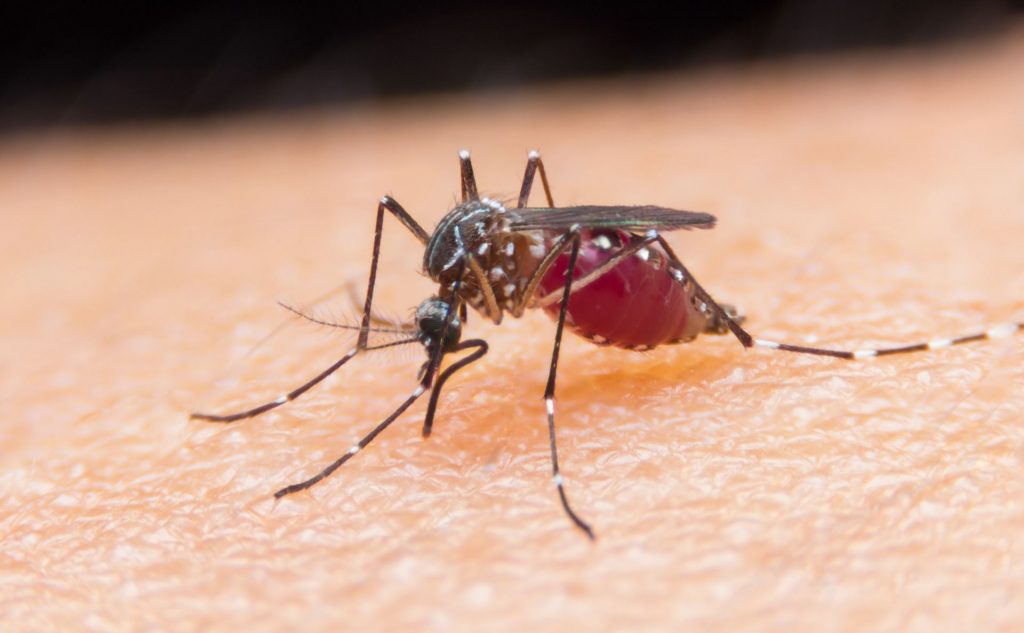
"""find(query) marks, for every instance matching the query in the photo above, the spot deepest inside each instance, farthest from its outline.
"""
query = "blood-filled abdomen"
(642, 302)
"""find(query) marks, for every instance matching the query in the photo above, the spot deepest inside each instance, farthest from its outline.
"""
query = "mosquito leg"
(403, 216)
(469, 191)
(481, 349)
(493, 311)
(385, 204)
(534, 164)
(437, 354)
(747, 340)
(273, 404)
(358, 446)
(586, 280)
(549, 391)
(559, 246)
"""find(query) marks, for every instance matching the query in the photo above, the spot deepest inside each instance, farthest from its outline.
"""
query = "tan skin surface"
(864, 201)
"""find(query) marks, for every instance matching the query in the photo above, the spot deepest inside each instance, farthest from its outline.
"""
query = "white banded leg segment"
(549, 391)
(556, 475)
(1003, 331)
(326, 472)
(280, 400)
(533, 165)
(1000, 331)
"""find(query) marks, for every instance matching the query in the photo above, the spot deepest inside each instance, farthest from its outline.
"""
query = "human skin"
(861, 201)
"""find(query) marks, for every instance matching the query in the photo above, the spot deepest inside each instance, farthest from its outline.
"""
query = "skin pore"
(860, 202)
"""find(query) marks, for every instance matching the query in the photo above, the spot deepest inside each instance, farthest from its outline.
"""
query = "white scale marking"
(1002, 331)
(760, 342)
(677, 275)
(482, 250)
(533, 154)
(510, 248)
(355, 449)
(550, 404)
(537, 250)
(463, 154)
(559, 480)
(602, 242)
(939, 343)
(510, 289)
(281, 399)
(865, 353)
(643, 254)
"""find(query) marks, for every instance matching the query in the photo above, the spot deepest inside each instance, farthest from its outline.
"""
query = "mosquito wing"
(628, 218)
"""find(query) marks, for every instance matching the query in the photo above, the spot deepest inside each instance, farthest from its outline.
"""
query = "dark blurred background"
(91, 63)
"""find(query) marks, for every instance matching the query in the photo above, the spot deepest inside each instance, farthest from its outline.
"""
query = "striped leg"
(999, 331)
(436, 353)
(747, 340)
(533, 165)
(549, 391)
(385, 204)
(469, 191)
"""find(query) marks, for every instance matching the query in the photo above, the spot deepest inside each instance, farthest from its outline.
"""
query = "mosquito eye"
(431, 317)
(432, 326)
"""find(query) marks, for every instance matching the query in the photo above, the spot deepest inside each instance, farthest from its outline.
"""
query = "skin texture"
(861, 200)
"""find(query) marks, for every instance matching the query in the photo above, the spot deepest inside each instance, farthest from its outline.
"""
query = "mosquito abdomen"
(639, 304)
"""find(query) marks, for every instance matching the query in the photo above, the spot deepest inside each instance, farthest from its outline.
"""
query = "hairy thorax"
(499, 261)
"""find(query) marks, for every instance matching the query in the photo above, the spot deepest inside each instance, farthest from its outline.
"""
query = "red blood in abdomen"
(633, 304)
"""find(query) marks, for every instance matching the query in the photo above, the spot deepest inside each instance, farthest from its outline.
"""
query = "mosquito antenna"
(343, 326)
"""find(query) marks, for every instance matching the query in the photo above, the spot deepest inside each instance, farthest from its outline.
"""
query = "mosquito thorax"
(430, 319)
(480, 230)
(470, 227)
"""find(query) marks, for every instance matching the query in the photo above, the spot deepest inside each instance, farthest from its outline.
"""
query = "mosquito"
(606, 273)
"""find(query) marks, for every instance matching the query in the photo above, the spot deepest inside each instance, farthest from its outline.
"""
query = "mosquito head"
(430, 319)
